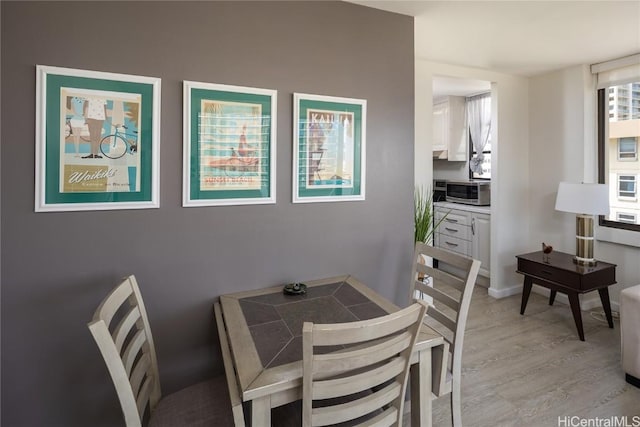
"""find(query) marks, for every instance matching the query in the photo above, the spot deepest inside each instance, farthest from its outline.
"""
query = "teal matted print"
(229, 145)
(329, 148)
(97, 140)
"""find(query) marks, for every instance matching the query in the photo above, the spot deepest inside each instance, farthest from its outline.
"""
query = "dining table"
(264, 328)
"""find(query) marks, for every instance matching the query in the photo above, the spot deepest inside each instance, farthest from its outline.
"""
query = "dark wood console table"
(560, 274)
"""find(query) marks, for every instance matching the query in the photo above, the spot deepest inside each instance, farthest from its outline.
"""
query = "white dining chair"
(358, 370)
(451, 292)
(121, 330)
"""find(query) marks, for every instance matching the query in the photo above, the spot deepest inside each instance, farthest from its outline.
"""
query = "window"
(626, 217)
(479, 126)
(486, 161)
(628, 148)
(617, 158)
(627, 186)
(618, 165)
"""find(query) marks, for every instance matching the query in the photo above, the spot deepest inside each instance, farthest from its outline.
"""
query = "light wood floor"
(529, 370)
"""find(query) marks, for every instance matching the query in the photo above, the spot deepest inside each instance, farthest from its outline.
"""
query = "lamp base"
(585, 262)
(584, 241)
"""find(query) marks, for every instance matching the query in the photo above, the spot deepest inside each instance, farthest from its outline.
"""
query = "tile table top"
(275, 320)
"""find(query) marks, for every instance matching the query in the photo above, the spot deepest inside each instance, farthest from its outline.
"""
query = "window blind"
(618, 71)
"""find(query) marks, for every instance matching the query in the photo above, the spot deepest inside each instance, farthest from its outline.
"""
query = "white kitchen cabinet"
(450, 130)
(440, 132)
(481, 241)
(454, 231)
(465, 231)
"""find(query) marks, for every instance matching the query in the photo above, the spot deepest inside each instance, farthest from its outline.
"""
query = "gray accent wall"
(56, 267)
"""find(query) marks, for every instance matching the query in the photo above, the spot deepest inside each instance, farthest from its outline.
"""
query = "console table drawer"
(547, 272)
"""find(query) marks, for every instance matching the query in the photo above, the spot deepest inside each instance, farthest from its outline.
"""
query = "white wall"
(510, 166)
(453, 171)
(562, 147)
(556, 147)
(423, 124)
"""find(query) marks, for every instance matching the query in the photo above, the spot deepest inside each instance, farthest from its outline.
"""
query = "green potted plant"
(424, 223)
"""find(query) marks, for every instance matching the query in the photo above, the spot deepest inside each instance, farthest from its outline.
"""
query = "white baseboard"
(506, 292)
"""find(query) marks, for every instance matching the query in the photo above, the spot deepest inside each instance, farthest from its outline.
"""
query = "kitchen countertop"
(463, 207)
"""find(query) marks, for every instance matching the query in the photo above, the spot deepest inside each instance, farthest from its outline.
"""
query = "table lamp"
(585, 200)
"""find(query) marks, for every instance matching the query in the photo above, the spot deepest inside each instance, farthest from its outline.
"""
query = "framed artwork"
(97, 140)
(229, 145)
(328, 148)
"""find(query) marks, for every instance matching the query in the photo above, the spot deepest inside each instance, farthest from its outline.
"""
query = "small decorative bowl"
(295, 289)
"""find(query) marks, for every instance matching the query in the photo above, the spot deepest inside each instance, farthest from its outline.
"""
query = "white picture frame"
(329, 148)
(97, 140)
(229, 146)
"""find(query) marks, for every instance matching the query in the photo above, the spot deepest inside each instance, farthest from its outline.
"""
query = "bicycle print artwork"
(97, 140)
(119, 142)
(99, 151)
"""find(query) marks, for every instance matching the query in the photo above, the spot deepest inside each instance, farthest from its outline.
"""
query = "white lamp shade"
(592, 199)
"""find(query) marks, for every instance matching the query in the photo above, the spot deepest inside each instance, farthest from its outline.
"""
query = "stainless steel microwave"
(469, 192)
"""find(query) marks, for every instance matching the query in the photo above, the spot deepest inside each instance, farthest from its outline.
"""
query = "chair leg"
(456, 405)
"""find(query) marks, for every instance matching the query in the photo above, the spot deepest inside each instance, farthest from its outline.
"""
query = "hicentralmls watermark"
(615, 421)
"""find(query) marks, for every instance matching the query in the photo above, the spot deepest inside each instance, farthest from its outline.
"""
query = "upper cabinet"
(450, 131)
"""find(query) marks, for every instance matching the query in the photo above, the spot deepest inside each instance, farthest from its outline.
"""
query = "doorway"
(452, 147)
(461, 143)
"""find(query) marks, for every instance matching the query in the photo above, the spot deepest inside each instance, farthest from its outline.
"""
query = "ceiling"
(443, 86)
(524, 38)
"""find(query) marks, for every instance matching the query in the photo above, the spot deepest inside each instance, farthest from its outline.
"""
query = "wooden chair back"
(121, 330)
(451, 292)
(358, 369)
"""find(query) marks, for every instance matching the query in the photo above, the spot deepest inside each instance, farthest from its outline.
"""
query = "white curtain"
(479, 115)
